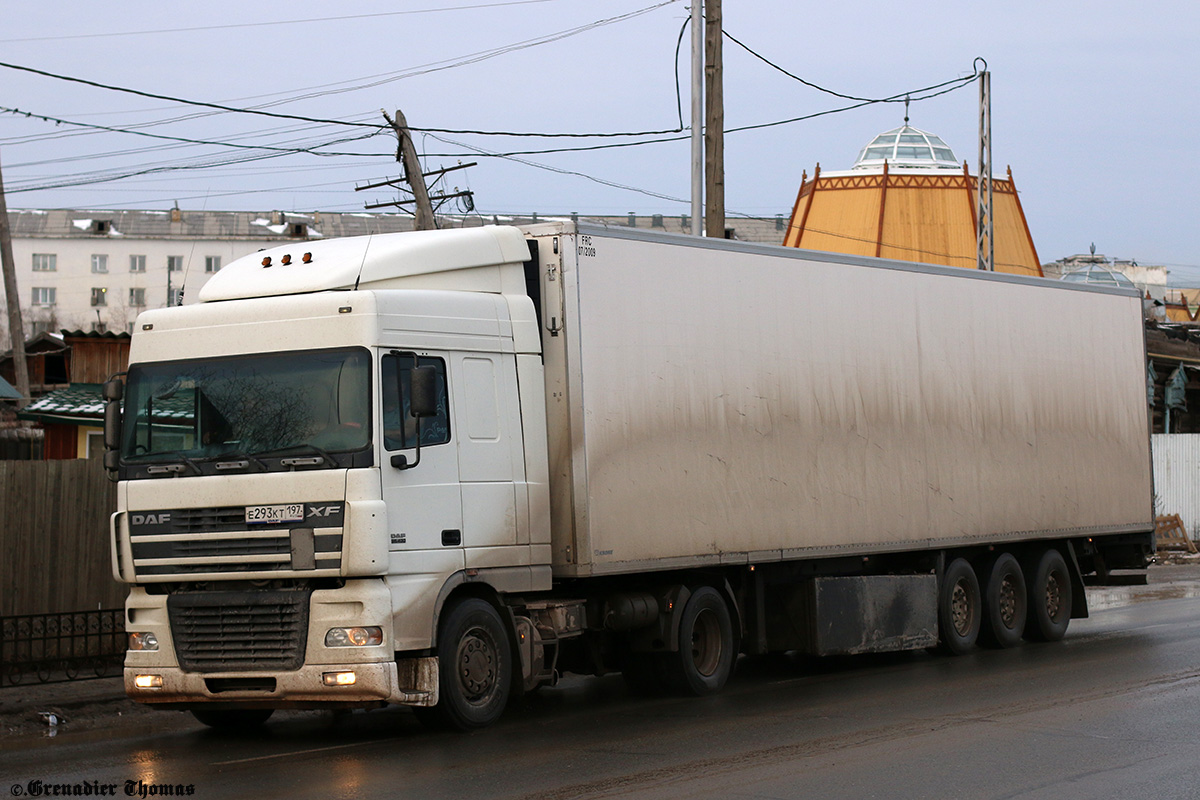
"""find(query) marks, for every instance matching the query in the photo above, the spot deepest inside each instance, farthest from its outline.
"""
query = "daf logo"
(151, 519)
(324, 511)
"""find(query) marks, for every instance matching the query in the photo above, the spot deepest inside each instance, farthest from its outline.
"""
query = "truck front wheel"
(474, 668)
(706, 645)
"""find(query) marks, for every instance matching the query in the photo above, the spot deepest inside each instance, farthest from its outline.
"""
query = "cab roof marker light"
(287, 259)
(266, 262)
(307, 258)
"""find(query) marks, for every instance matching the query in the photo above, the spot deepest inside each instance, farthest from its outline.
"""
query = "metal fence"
(58, 647)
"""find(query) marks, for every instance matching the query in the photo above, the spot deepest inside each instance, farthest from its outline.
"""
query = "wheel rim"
(1054, 596)
(706, 642)
(1008, 601)
(960, 608)
(477, 665)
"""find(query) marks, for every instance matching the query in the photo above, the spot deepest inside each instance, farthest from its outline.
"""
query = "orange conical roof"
(906, 198)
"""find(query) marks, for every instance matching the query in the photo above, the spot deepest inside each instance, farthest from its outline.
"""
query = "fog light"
(354, 637)
(143, 641)
(339, 678)
(148, 681)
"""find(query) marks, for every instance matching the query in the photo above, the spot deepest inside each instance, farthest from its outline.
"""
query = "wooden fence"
(54, 546)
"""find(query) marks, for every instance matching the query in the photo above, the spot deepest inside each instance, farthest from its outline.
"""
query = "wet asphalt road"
(1112, 711)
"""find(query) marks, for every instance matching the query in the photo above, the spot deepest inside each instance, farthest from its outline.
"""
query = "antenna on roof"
(906, 99)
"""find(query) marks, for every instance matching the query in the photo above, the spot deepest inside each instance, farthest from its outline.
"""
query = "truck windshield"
(311, 402)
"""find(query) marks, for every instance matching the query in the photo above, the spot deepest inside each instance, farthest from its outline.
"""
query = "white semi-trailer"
(442, 468)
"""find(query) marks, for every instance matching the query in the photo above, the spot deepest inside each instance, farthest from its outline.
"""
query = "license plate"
(264, 515)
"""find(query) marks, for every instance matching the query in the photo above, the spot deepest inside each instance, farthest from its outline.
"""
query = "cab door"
(421, 486)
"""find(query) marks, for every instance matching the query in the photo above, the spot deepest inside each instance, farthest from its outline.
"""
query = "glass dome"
(1098, 273)
(907, 147)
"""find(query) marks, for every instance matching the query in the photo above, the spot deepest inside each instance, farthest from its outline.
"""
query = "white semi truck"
(442, 468)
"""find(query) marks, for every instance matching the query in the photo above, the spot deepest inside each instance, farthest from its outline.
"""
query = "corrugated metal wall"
(1177, 477)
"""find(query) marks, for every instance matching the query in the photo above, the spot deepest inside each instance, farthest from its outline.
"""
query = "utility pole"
(406, 154)
(697, 120)
(714, 123)
(16, 328)
(985, 246)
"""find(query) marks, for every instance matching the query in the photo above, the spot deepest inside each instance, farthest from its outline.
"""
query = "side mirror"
(112, 425)
(423, 385)
(112, 392)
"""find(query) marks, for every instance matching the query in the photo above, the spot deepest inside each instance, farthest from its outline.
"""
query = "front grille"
(158, 556)
(203, 520)
(239, 631)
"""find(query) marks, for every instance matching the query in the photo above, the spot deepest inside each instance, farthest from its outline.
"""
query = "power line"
(959, 83)
(182, 101)
(895, 98)
(309, 150)
(200, 162)
(558, 170)
(474, 58)
(273, 22)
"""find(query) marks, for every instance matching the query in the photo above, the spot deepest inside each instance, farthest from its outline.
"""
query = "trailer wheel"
(230, 719)
(1005, 603)
(474, 668)
(959, 609)
(1049, 599)
(705, 657)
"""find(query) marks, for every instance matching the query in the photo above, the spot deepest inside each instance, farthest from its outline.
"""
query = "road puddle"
(1100, 598)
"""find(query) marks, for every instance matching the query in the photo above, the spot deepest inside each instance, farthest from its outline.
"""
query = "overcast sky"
(1094, 104)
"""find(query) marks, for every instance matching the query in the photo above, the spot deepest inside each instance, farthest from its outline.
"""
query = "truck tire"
(230, 719)
(960, 609)
(1049, 598)
(1005, 602)
(475, 666)
(704, 661)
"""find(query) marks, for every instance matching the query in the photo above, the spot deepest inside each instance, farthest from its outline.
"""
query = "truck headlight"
(143, 641)
(354, 637)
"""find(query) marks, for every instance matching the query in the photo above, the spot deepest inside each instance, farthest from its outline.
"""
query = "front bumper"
(410, 682)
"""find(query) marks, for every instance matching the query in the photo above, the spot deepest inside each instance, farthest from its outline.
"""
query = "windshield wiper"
(174, 469)
(244, 460)
(321, 457)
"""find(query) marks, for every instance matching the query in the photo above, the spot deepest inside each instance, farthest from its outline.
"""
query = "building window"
(137, 263)
(174, 296)
(175, 263)
(43, 296)
(137, 297)
(99, 263)
(212, 263)
(99, 296)
(45, 262)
